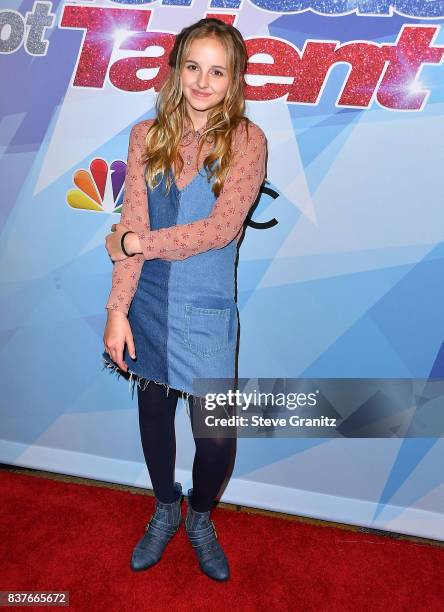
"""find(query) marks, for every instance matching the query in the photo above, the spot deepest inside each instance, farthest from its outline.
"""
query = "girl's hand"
(112, 241)
(117, 333)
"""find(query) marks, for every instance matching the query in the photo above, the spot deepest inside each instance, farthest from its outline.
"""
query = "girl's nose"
(202, 80)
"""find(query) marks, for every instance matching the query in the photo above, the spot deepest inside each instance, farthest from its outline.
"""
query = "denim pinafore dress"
(183, 315)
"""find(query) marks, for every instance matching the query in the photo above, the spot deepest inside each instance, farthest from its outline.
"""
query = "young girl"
(193, 173)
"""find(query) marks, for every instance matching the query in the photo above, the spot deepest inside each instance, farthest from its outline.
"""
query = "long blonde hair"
(164, 136)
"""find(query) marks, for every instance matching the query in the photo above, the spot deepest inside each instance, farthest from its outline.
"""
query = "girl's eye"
(217, 72)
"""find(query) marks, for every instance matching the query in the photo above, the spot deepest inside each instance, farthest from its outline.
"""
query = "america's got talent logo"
(383, 73)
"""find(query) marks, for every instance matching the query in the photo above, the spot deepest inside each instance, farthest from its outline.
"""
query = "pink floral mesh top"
(223, 225)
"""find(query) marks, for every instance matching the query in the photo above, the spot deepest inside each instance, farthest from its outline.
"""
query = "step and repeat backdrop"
(340, 272)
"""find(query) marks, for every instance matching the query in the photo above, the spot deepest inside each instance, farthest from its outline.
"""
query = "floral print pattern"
(223, 225)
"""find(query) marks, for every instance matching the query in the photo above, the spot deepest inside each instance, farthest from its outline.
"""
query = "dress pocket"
(206, 329)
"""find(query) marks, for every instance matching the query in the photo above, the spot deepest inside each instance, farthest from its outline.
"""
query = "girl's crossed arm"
(227, 217)
(126, 273)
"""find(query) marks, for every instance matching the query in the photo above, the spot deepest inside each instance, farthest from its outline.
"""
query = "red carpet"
(77, 538)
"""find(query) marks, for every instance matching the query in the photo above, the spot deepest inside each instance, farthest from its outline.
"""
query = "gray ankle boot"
(202, 534)
(159, 530)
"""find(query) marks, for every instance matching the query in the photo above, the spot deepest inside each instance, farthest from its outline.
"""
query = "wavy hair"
(164, 136)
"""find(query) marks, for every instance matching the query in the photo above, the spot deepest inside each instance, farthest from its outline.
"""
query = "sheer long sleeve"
(126, 273)
(225, 221)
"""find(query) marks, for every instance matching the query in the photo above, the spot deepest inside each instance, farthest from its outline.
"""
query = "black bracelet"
(123, 246)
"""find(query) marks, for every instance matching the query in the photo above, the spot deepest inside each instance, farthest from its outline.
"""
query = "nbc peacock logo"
(100, 188)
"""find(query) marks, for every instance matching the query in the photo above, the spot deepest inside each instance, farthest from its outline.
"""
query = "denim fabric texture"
(183, 316)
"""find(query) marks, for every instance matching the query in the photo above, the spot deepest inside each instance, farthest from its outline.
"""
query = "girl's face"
(204, 77)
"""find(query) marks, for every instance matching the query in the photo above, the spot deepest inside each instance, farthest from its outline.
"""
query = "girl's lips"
(200, 95)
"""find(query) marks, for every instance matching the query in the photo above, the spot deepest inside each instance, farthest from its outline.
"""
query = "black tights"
(212, 458)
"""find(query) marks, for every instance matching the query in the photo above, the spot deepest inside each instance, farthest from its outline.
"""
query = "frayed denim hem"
(141, 382)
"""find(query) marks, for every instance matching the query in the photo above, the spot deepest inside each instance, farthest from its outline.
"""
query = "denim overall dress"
(183, 316)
